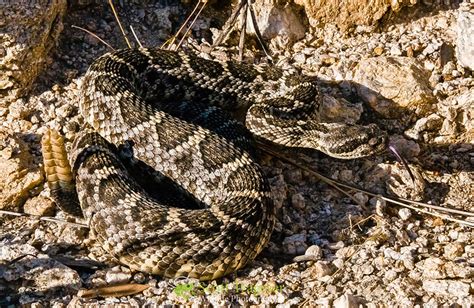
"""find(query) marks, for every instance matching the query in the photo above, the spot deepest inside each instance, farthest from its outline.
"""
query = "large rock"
(393, 84)
(350, 13)
(277, 20)
(29, 30)
(458, 113)
(345, 14)
(347, 301)
(447, 287)
(18, 173)
(28, 272)
(465, 35)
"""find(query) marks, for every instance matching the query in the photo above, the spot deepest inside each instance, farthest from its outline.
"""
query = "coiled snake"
(166, 178)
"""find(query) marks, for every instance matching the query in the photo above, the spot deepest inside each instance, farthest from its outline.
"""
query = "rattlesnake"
(167, 180)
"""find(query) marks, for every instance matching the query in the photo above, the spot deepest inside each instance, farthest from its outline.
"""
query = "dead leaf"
(113, 291)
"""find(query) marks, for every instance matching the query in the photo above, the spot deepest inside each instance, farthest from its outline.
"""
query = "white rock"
(314, 250)
(453, 250)
(395, 50)
(446, 287)
(404, 214)
(346, 301)
(277, 21)
(432, 267)
(392, 84)
(465, 35)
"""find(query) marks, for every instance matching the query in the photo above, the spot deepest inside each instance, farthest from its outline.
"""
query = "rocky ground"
(412, 65)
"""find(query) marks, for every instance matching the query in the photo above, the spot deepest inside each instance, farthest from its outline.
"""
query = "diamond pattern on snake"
(166, 177)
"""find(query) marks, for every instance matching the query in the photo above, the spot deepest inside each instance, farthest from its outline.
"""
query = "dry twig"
(95, 36)
(119, 23)
(414, 205)
(44, 218)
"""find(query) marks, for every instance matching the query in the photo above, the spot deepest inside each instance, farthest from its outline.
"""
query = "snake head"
(347, 141)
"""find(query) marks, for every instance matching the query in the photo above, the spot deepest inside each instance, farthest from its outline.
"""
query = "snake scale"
(166, 178)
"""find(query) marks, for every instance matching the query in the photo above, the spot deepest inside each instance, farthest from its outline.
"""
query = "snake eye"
(374, 141)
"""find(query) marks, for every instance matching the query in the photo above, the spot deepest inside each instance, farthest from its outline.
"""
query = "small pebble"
(404, 214)
(380, 206)
(446, 287)
(346, 301)
(295, 244)
(378, 51)
(395, 50)
(361, 198)
(139, 277)
(453, 250)
(314, 250)
(297, 201)
(336, 246)
(346, 175)
(299, 58)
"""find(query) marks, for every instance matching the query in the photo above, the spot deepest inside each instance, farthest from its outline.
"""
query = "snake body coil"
(167, 180)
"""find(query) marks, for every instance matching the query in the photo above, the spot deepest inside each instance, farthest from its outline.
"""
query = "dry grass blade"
(136, 37)
(257, 31)
(242, 33)
(334, 184)
(439, 208)
(94, 35)
(247, 7)
(414, 205)
(119, 23)
(404, 163)
(171, 41)
(42, 218)
(230, 23)
(113, 291)
(192, 23)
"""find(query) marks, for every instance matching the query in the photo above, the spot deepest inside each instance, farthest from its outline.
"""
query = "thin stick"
(391, 200)
(173, 38)
(242, 33)
(42, 218)
(191, 25)
(257, 32)
(436, 214)
(136, 37)
(119, 23)
(229, 23)
(404, 163)
(333, 184)
(439, 208)
(400, 201)
(94, 35)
